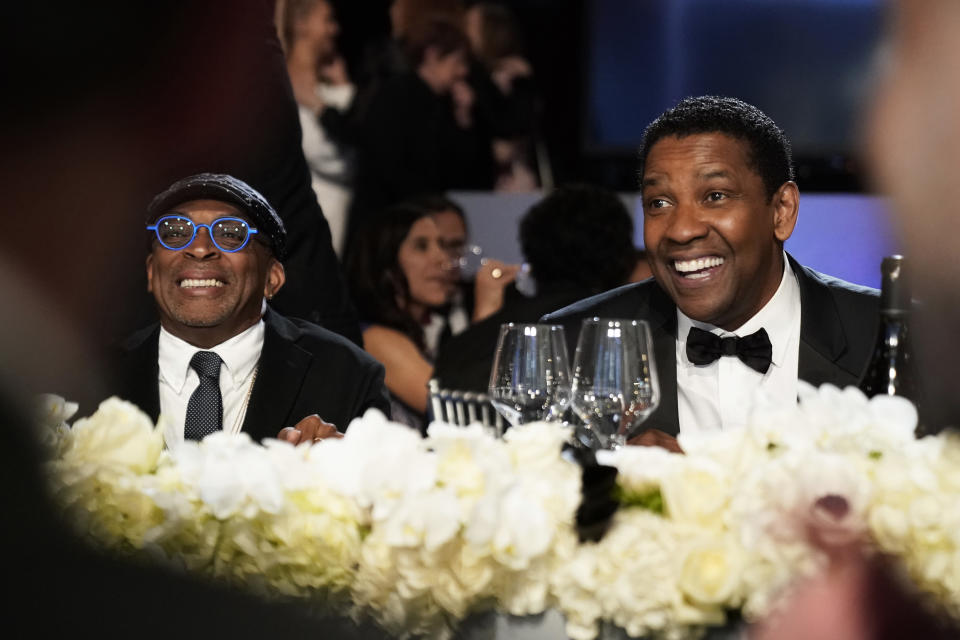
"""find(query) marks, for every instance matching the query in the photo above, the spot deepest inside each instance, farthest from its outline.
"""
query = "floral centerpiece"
(420, 533)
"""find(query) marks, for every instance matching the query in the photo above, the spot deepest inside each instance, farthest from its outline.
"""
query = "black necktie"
(753, 350)
(205, 408)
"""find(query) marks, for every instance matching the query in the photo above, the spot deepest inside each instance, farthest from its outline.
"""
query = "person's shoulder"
(316, 339)
(845, 294)
(380, 339)
(135, 340)
(609, 301)
(840, 286)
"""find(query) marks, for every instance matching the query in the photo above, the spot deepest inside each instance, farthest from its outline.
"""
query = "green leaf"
(649, 499)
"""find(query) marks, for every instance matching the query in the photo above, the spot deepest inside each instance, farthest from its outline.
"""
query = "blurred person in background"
(379, 56)
(861, 597)
(318, 74)
(506, 101)
(468, 302)
(411, 141)
(578, 241)
(454, 316)
(914, 145)
(399, 276)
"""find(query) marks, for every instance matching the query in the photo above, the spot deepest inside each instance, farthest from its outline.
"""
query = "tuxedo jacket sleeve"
(838, 325)
(304, 369)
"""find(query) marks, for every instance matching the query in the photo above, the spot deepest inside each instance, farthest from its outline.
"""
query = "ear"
(276, 276)
(150, 273)
(786, 205)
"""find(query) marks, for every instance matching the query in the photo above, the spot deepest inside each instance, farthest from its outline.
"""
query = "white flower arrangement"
(420, 533)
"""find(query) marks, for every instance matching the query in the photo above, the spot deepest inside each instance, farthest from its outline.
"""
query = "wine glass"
(470, 261)
(530, 379)
(615, 384)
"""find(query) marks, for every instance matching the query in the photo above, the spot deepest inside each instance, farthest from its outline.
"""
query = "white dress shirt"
(719, 395)
(178, 380)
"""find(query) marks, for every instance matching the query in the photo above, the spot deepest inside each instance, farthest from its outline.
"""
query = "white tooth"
(697, 264)
(195, 282)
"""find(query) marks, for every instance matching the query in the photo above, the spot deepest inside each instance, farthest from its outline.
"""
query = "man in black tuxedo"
(731, 313)
(220, 358)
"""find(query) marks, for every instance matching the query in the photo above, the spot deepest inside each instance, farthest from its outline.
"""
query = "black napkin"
(597, 501)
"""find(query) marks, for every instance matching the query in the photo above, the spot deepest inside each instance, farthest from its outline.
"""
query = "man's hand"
(311, 429)
(656, 438)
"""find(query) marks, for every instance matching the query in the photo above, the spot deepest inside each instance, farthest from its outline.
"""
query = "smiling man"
(220, 358)
(731, 313)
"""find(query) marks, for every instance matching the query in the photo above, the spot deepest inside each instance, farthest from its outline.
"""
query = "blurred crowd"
(445, 102)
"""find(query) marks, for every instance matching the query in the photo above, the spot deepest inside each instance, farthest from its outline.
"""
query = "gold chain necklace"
(238, 426)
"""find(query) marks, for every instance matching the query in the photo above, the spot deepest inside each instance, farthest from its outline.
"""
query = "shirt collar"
(239, 354)
(775, 317)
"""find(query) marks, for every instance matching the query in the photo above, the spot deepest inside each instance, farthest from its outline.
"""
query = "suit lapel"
(280, 374)
(140, 371)
(822, 340)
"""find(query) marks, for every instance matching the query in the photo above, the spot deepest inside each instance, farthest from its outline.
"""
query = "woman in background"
(397, 272)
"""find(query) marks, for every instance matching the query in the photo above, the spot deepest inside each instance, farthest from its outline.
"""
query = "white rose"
(52, 411)
(118, 434)
(536, 444)
(709, 572)
(893, 416)
(639, 468)
(696, 492)
(524, 530)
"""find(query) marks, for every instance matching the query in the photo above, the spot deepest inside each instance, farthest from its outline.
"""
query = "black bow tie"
(753, 350)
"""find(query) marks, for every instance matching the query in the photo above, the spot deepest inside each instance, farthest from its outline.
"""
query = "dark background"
(604, 68)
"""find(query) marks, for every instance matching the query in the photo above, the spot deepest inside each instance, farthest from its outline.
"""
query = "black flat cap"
(224, 188)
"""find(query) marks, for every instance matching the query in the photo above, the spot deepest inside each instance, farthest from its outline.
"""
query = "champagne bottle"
(891, 367)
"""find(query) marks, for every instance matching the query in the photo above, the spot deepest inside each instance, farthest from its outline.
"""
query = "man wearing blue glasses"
(220, 358)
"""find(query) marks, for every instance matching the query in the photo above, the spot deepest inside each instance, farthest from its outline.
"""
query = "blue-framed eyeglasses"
(178, 232)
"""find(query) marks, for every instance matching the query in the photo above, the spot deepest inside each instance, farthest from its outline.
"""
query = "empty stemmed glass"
(614, 382)
(470, 260)
(530, 379)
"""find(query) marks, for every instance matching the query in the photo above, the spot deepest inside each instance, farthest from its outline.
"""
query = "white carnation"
(117, 434)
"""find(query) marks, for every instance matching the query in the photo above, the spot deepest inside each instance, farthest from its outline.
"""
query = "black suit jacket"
(464, 361)
(838, 325)
(303, 369)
